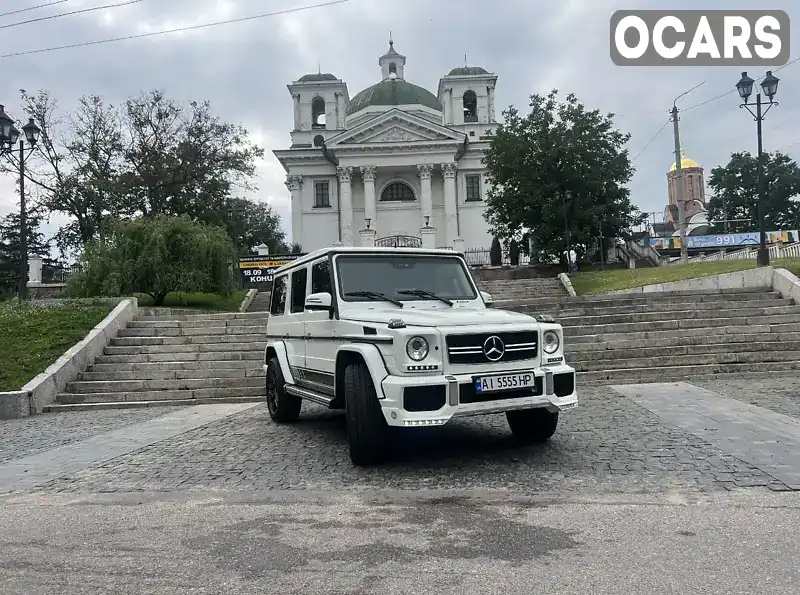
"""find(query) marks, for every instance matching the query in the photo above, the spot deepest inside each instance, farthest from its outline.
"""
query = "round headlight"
(417, 348)
(550, 342)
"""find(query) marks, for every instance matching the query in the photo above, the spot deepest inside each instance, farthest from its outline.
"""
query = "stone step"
(210, 356)
(170, 324)
(665, 325)
(655, 336)
(711, 342)
(191, 331)
(209, 316)
(665, 307)
(188, 340)
(125, 365)
(156, 374)
(58, 407)
(678, 373)
(162, 395)
(125, 386)
(258, 346)
(680, 315)
(635, 299)
(667, 361)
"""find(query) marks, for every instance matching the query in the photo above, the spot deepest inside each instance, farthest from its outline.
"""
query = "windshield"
(395, 276)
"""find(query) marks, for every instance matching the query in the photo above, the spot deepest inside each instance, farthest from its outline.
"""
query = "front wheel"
(532, 425)
(367, 430)
(282, 407)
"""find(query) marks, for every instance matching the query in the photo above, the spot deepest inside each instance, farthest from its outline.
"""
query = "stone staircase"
(175, 359)
(260, 303)
(674, 336)
(510, 291)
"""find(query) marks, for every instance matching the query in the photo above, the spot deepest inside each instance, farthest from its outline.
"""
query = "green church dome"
(393, 92)
(468, 71)
(313, 78)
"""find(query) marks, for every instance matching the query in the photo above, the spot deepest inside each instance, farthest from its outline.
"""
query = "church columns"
(450, 213)
(426, 198)
(297, 116)
(346, 204)
(295, 186)
(368, 174)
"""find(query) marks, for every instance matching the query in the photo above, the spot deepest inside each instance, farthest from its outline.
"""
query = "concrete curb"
(787, 284)
(567, 283)
(758, 277)
(248, 299)
(42, 390)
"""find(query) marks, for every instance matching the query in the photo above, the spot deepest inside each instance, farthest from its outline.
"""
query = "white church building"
(395, 165)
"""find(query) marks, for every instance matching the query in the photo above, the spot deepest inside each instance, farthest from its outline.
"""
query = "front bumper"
(557, 393)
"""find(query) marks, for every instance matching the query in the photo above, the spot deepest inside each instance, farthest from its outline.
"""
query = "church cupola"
(392, 64)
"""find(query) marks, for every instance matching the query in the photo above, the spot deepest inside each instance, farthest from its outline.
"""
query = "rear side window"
(278, 305)
(321, 278)
(299, 290)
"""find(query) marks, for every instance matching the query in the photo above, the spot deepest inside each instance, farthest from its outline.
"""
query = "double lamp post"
(769, 86)
(9, 136)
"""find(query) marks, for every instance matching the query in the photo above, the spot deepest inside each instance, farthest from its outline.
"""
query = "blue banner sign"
(725, 240)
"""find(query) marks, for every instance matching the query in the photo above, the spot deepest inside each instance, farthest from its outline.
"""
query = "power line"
(650, 142)
(66, 14)
(5, 14)
(178, 30)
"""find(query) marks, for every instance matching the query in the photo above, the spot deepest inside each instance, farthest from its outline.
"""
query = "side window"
(299, 290)
(321, 278)
(278, 305)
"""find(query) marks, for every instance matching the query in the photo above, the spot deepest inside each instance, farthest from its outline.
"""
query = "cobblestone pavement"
(607, 444)
(781, 394)
(40, 433)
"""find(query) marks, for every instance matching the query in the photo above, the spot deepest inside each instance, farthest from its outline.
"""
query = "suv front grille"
(480, 348)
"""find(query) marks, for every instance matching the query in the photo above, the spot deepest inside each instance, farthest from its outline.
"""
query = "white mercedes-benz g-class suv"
(403, 337)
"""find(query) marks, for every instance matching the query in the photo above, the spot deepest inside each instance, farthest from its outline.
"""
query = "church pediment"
(395, 128)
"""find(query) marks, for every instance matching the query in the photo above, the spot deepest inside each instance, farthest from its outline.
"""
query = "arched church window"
(319, 140)
(392, 68)
(318, 112)
(470, 106)
(397, 191)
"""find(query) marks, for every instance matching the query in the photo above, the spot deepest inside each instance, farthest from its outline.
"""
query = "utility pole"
(679, 186)
(23, 227)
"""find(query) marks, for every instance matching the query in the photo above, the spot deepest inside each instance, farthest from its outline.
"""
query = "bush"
(496, 253)
(157, 256)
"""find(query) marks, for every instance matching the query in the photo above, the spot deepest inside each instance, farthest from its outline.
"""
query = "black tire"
(367, 430)
(283, 408)
(532, 425)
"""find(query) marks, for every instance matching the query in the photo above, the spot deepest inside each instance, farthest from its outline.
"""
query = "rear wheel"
(282, 407)
(367, 430)
(532, 425)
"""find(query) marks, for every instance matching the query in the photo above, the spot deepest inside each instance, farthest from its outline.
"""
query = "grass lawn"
(200, 301)
(31, 338)
(602, 281)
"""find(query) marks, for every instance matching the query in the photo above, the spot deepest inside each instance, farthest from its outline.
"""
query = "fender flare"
(283, 359)
(374, 361)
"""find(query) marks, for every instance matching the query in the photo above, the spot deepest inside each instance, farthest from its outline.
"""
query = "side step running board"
(308, 395)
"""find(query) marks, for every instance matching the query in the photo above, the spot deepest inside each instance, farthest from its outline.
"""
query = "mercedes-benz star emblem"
(493, 348)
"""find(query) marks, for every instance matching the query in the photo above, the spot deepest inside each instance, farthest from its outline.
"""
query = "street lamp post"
(8, 139)
(769, 86)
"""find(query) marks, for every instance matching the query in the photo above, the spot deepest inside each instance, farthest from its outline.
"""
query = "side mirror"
(319, 302)
(487, 299)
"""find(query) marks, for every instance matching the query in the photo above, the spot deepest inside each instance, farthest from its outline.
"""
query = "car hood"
(441, 318)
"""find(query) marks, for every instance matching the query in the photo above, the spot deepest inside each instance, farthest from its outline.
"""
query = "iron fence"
(482, 257)
(56, 272)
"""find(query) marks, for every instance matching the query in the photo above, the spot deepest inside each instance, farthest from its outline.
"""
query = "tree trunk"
(158, 299)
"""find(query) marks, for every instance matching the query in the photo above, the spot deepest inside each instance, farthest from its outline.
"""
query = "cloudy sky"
(243, 68)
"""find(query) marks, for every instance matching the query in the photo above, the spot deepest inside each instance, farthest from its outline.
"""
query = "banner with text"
(257, 271)
(725, 240)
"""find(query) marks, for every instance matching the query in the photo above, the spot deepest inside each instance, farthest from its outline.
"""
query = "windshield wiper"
(375, 295)
(423, 294)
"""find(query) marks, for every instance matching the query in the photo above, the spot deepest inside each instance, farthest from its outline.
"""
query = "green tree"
(559, 168)
(250, 224)
(735, 188)
(10, 247)
(157, 256)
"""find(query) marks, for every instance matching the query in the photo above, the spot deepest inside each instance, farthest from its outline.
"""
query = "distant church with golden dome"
(695, 211)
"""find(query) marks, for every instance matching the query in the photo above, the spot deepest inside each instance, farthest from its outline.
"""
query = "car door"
(294, 319)
(320, 348)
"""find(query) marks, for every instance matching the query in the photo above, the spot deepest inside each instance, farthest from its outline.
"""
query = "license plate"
(490, 384)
